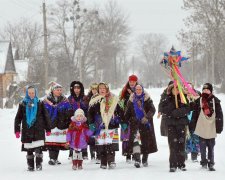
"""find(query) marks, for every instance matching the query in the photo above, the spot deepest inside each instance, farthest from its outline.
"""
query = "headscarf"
(139, 104)
(31, 107)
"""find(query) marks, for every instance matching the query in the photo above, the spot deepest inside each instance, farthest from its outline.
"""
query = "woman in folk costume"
(177, 121)
(77, 100)
(104, 117)
(32, 121)
(95, 155)
(139, 113)
(58, 108)
(209, 123)
(124, 97)
(77, 137)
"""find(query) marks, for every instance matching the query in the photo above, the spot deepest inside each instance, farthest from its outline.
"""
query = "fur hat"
(133, 78)
(208, 86)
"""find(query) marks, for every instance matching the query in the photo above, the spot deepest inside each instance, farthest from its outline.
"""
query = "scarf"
(31, 108)
(107, 108)
(139, 105)
(205, 104)
(79, 128)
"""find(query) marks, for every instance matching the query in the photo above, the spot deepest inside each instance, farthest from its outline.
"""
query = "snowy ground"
(13, 161)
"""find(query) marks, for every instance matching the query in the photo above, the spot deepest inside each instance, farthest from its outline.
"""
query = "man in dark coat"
(176, 120)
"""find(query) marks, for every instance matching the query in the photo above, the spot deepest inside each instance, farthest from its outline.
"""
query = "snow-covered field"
(13, 161)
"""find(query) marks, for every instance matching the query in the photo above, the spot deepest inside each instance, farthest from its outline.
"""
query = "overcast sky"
(146, 16)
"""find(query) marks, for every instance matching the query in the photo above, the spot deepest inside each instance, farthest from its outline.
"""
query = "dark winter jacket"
(163, 125)
(147, 133)
(218, 110)
(58, 111)
(37, 130)
(174, 116)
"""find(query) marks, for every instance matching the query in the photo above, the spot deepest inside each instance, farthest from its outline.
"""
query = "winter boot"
(211, 167)
(173, 169)
(194, 156)
(204, 164)
(128, 158)
(79, 163)
(30, 162)
(39, 159)
(75, 163)
(112, 165)
(182, 167)
(145, 160)
(137, 159)
(51, 162)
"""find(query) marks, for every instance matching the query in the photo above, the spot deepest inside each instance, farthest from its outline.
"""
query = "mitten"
(144, 120)
(17, 134)
(92, 127)
(124, 126)
(48, 133)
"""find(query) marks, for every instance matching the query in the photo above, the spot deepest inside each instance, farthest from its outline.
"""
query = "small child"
(77, 137)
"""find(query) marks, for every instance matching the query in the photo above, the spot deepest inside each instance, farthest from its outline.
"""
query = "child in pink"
(77, 137)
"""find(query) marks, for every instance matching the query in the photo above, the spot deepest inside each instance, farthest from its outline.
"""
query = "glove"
(67, 145)
(48, 133)
(17, 135)
(144, 120)
(92, 127)
(124, 126)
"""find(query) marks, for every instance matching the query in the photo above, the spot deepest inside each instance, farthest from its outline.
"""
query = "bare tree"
(150, 48)
(208, 20)
(24, 35)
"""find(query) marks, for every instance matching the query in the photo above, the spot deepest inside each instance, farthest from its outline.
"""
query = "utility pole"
(45, 45)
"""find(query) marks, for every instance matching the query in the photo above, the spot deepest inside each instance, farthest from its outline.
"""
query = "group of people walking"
(60, 123)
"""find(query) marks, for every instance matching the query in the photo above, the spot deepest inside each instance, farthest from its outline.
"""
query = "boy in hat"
(209, 123)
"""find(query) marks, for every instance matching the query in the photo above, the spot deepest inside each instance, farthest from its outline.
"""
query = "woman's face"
(175, 91)
(76, 90)
(138, 90)
(132, 83)
(102, 90)
(57, 92)
(94, 91)
(31, 93)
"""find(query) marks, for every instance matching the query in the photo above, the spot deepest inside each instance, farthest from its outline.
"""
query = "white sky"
(146, 16)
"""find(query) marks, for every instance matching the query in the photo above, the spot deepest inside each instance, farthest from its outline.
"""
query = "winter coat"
(37, 131)
(175, 116)
(80, 101)
(147, 133)
(94, 114)
(58, 111)
(163, 125)
(81, 130)
(218, 110)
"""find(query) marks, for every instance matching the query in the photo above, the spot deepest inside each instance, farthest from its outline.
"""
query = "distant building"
(7, 67)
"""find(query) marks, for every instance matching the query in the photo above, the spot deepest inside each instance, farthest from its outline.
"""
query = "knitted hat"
(208, 86)
(133, 78)
(76, 113)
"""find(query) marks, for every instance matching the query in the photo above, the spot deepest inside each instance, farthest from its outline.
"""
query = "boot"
(80, 162)
(75, 163)
(39, 160)
(194, 156)
(30, 162)
(137, 159)
(211, 166)
(145, 160)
